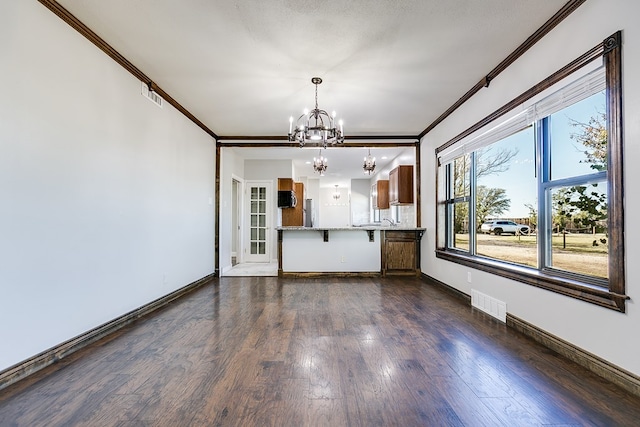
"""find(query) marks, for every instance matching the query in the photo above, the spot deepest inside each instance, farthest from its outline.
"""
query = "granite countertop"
(353, 227)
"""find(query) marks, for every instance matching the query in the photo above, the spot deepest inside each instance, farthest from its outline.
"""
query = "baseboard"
(449, 289)
(595, 364)
(40, 361)
(306, 275)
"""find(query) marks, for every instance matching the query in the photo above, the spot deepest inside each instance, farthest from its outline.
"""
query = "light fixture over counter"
(316, 126)
(369, 164)
(336, 195)
(320, 164)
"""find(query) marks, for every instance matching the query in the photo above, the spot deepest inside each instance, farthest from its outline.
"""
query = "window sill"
(572, 288)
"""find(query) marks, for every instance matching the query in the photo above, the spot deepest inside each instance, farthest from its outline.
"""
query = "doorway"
(236, 221)
(257, 243)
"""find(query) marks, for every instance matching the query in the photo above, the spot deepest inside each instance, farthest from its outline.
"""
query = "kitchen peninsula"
(357, 250)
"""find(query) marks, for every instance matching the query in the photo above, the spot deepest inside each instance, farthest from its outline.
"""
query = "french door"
(258, 219)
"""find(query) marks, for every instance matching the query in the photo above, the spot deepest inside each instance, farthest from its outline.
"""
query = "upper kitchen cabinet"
(401, 185)
(380, 194)
(285, 184)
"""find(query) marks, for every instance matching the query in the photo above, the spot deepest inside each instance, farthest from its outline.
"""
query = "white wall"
(360, 201)
(346, 251)
(604, 332)
(231, 165)
(107, 200)
(334, 212)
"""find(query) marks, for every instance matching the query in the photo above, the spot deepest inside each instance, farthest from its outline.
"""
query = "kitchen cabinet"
(400, 252)
(380, 194)
(401, 185)
(295, 216)
(285, 184)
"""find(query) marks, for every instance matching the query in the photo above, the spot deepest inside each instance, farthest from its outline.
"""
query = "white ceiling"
(243, 67)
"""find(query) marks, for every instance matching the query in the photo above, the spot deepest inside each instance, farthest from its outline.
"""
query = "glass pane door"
(258, 248)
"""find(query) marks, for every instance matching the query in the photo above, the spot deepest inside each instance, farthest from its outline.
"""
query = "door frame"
(269, 235)
(239, 202)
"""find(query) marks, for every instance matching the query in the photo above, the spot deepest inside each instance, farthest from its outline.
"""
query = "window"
(534, 191)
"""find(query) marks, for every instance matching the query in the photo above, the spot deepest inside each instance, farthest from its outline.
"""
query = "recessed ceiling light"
(384, 157)
(307, 162)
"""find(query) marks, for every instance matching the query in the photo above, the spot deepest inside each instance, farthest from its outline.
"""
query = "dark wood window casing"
(613, 296)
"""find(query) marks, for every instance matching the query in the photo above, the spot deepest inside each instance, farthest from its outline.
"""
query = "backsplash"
(406, 215)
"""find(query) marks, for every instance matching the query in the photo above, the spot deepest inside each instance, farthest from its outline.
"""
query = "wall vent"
(151, 95)
(489, 305)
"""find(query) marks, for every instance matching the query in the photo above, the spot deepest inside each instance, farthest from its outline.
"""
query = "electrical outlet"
(342, 259)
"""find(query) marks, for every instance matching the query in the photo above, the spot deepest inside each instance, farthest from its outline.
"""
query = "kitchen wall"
(107, 199)
(360, 201)
(606, 333)
(334, 212)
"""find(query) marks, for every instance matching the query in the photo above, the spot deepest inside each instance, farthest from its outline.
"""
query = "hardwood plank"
(316, 351)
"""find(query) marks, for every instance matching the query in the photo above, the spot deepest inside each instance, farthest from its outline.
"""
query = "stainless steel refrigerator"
(309, 215)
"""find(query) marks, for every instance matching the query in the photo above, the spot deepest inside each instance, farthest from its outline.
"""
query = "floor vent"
(489, 305)
(151, 95)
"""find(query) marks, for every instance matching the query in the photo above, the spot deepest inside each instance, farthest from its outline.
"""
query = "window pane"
(461, 193)
(506, 199)
(254, 234)
(254, 220)
(263, 206)
(579, 238)
(254, 192)
(579, 138)
(254, 248)
(263, 221)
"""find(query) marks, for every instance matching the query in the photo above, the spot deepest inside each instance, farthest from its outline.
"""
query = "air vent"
(151, 95)
(489, 305)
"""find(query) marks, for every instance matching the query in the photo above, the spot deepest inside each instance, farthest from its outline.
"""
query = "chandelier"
(336, 195)
(320, 164)
(316, 126)
(369, 164)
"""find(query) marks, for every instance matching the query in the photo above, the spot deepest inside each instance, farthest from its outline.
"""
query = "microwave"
(287, 199)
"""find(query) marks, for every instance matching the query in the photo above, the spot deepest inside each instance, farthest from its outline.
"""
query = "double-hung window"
(534, 191)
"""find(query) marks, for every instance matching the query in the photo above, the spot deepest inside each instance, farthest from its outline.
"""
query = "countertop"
(355, 227)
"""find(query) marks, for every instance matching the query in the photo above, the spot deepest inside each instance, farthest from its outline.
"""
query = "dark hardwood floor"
(264, 351)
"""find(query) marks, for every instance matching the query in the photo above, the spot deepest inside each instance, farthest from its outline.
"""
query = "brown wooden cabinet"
(401, 185)
(380, 194)
(294, 217)
(400, 252)
(285, 184)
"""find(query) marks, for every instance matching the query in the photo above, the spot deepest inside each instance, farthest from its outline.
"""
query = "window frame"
(606, 293)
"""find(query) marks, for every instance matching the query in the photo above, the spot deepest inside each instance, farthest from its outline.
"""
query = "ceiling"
(243, 67)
